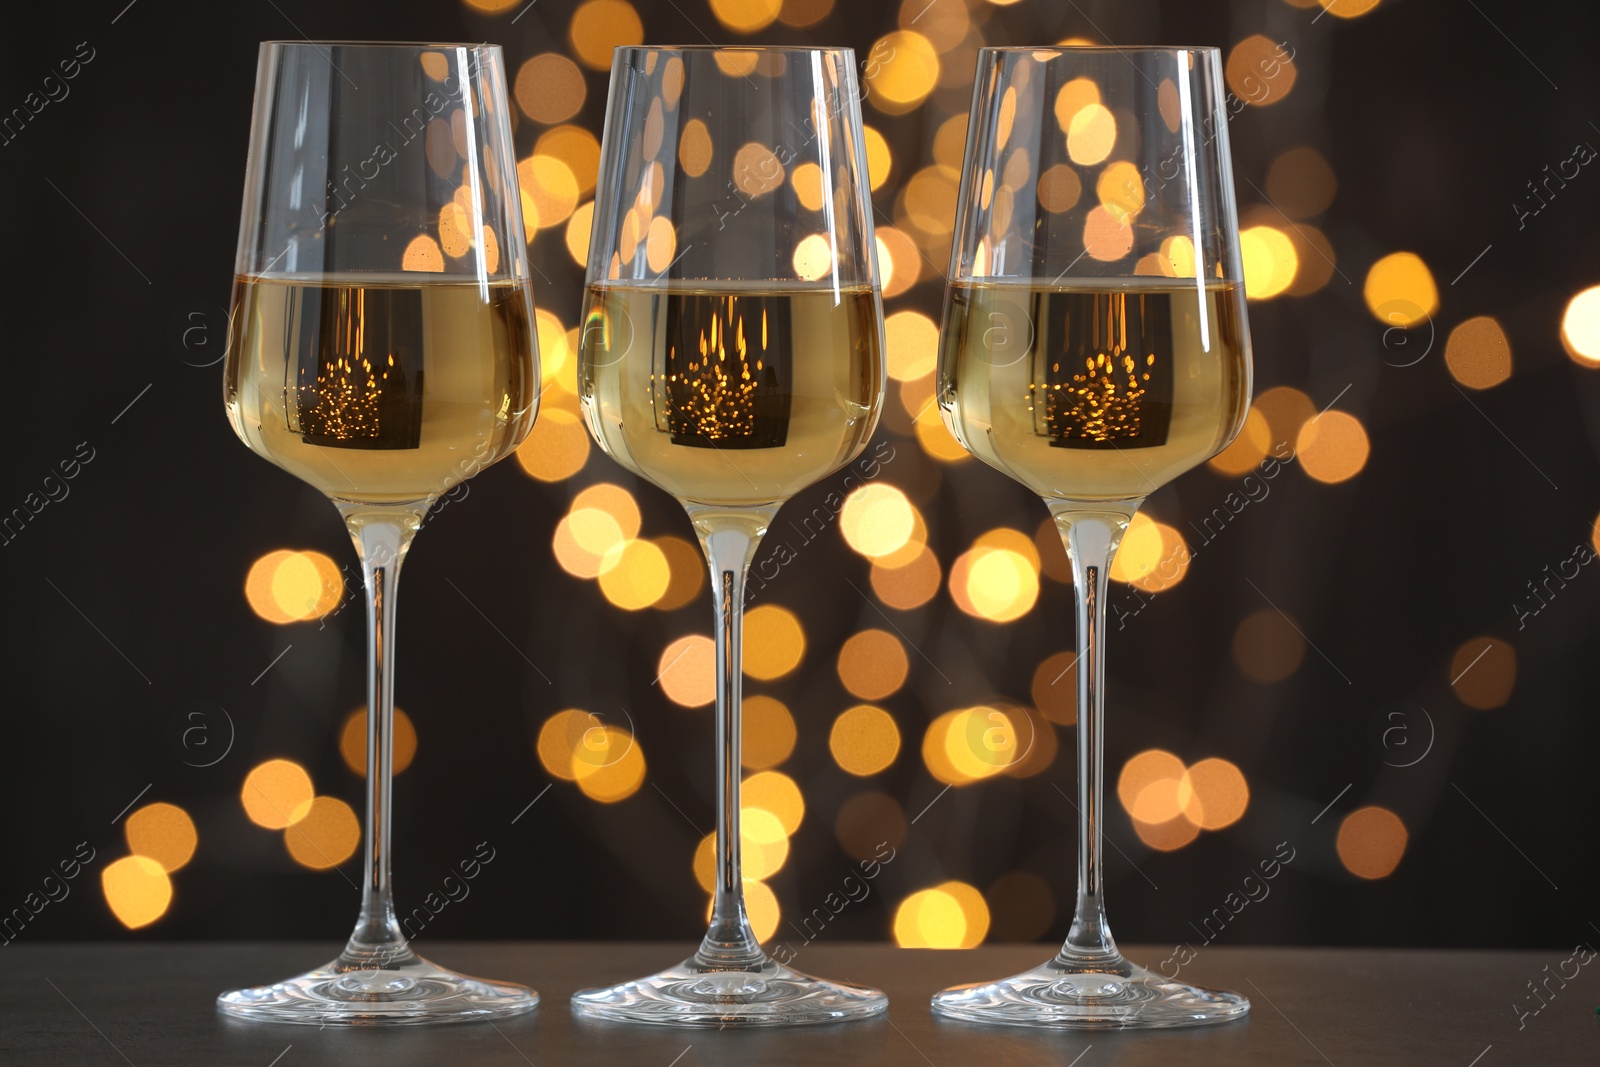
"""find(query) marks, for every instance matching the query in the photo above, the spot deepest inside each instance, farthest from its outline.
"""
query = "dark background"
(1433, 121)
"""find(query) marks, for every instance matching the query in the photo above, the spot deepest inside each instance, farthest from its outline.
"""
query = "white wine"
(732, 396)
(377, 388)
(1101, 392)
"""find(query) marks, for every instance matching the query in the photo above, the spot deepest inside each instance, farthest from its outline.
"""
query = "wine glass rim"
(305, 43)
(796, 49)
(1068, 49)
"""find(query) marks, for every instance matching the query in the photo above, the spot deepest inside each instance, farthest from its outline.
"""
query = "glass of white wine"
(381, 349)
(731, 354)
(1094, 347)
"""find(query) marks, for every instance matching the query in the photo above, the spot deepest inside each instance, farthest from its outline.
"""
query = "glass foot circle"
(412, 994)
(1122, 997)
(768, 994)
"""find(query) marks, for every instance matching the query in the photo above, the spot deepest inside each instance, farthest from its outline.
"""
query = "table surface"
(151, 1003)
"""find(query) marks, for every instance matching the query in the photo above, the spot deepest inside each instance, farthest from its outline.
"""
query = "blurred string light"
(353, 741)
(1371, 842)
(287, 586)
(1580, 327)
(901, 69)
(774, 642)
(950, 915)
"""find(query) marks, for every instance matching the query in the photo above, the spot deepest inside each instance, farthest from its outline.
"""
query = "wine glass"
(381, 349)
(1094, 347)
(731, 354)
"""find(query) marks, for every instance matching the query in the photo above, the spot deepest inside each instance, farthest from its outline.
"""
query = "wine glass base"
(1122, 997)
(767, 994)
(414, 993)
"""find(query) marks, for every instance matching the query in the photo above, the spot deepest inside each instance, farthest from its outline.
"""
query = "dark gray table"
(151, 1003)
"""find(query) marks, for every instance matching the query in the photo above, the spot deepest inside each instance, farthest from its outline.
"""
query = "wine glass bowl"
(1094, 347)
(731, 354)
(381, 349)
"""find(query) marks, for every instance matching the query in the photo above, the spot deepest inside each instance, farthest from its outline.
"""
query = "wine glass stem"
(729, 942)
(382, 542)
(1091, 538)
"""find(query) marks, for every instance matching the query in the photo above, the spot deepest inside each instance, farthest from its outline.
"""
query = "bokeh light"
(911, 345)
(287, 586)
(549, 88)
(276, 794)
(994, 581)
(1301, 184)
(1286, 409)
(1248, 449)
(353, 741)
(686, 569)
(910, 585)
(1483, 671)
(598, 26)
(864, 740)
(1259, 71)
(326, 836)
(877, 520)
(1267, 646)
(774, 642)
(1400, 290)
(1371, 842)
(137, 890)
(556, 448)
(873, 664)
(767, 732)
(163, 832)
(901, 70)
(609, 765)
(1091, 135)
(1213, 794)
(746, 16)
(1270, 261)
(1055, 688)
(635, 575)
(1333, 447)
(951, 915)
(687, 672)
(1580, 327)
(777, 793)
(1478, 353)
